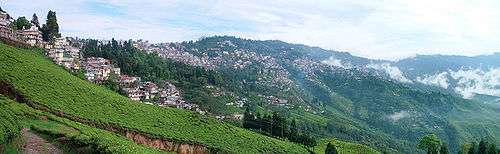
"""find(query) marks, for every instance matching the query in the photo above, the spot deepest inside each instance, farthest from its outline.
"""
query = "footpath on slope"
(34, 144)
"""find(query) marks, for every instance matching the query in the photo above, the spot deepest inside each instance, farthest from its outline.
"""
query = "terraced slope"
(43, 85)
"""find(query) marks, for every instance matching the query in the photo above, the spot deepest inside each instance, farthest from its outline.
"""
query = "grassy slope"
(344, 147)
(100, 140)
(43, 82)
(9, 125)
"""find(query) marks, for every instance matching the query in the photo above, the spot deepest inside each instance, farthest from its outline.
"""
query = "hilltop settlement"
(65, 51)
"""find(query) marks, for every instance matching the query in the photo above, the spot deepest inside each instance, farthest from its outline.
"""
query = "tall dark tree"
(280, 125)
(330, 149)
(294, 131)
(34, 20)
(482, 147)
(444, 149)
(50, 30)
(472, 149)
(492, 149)
(267, 124)
(248, 119)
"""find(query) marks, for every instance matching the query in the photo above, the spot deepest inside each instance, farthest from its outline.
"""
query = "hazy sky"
(384, 29)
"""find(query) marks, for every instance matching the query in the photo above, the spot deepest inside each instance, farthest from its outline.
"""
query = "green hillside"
(48, 86)
(348, 102)
(79, 135)
(344, 147)
(9, 125)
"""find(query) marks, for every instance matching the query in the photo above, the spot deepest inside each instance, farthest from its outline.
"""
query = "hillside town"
(65, 51)
(272, 74)
(175, 52)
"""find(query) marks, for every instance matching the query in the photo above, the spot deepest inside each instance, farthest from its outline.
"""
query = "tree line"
(276, 125)
(433, 145)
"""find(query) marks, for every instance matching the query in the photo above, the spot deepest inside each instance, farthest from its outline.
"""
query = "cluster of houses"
(176, 52)
(271, 74)
(235, 116)
(99, 69)
(276, 101)
(60, 51)
(29, 37)
(164, 94)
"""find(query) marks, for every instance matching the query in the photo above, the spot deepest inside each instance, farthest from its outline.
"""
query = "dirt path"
(34, 144)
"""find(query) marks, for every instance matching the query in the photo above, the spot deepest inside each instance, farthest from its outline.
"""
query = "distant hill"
(335, 94)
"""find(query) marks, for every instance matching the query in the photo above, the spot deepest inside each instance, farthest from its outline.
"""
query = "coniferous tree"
(34, 20)
(279, 125)
(267, 125)
(50, 30)
(294, 132)
(492, 149)
(258, 121)
(330, 149)
(482, 147)
(444, 149)
(472, 149)
(248, 119)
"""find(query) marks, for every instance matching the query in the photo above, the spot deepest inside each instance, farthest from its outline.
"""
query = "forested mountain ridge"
(336, 94)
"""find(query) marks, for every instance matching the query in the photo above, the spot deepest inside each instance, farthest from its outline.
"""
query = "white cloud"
(396, 116)
(476, 81)
(337, 63)
(376, 29)
(439, 79)
(468, 81)
(393, 71)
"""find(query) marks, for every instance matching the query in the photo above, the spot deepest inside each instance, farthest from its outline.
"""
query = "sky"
(379, 29)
